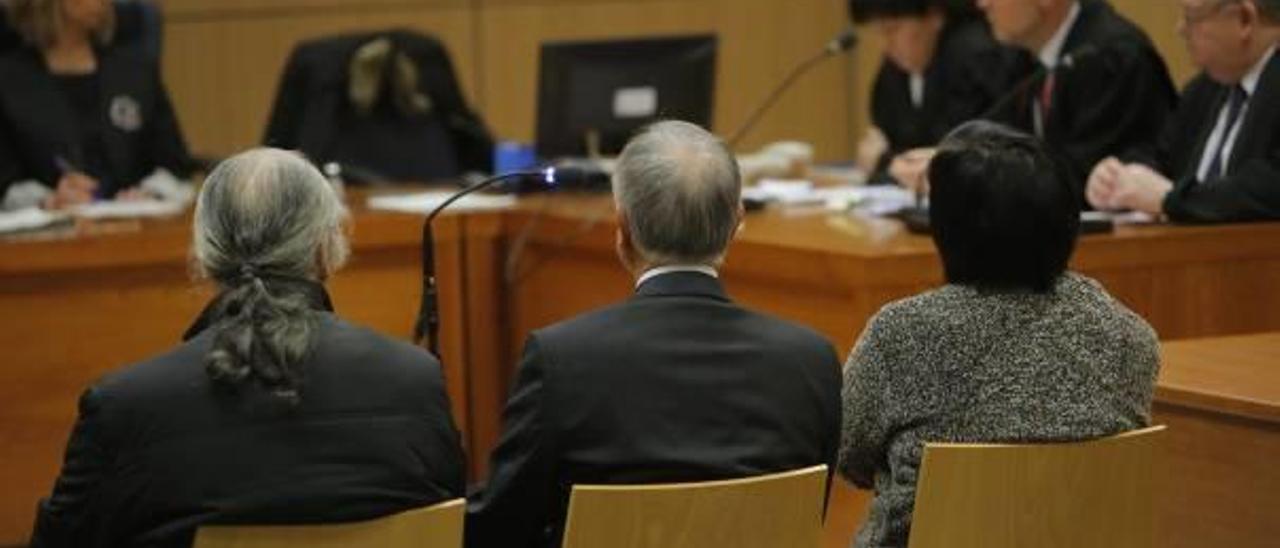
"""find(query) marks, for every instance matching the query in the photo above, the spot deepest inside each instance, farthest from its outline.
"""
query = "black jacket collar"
(682, 284)
(315, 293)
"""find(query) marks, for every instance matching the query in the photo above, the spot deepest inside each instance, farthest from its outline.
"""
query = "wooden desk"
(78, 304)
(1220, 398)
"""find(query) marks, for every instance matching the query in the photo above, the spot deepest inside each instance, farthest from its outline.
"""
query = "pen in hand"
(73, 187)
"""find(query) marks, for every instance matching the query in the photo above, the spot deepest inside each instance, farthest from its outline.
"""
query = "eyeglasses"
(1192, 17)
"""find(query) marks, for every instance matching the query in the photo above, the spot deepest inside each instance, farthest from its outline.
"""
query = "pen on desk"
(66, 167)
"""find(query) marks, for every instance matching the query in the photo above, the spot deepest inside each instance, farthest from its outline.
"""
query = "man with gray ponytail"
(273, 410)
(676, 384)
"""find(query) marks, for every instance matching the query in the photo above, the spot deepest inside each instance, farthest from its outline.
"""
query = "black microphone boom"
(428, 323)
(843, 42)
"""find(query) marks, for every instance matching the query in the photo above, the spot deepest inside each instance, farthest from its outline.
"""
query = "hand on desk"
(1115, 185)
(134, 194)
(74, 188)
(911, 169)
(872, 146)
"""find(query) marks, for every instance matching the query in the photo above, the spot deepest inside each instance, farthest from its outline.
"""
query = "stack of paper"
(30, 218)
(129, 209)
(876, 200)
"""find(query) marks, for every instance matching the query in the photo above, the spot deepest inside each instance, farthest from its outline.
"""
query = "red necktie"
(1046, 97)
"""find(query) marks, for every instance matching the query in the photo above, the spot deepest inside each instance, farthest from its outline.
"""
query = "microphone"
(428, 323)
(845, 41)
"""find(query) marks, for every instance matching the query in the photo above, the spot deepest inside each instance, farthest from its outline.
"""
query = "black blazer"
(1114, 96)
(38, 124)
(969, 73)
(312, 113)
(676, 384)
(159, 450)
(1250, 189)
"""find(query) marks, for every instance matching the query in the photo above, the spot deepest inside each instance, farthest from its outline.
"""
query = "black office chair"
(137, 22)
(403, 119)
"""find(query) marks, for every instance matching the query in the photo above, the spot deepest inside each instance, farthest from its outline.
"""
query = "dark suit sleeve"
(168, 146)
(1250, 193)
(514, 508)
(10, 167)
(1124, 99)
(70, 517)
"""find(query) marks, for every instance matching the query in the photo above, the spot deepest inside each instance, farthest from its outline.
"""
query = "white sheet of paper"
(28, 218)
(1119, 217)
(129, 210)
(424, 202)
(876, 200)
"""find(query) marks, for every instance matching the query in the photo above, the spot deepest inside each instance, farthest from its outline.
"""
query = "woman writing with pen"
(81, 117)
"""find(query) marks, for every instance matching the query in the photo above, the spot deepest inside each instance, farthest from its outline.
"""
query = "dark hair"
(862, 11)
(267, 228)
(1004, 213)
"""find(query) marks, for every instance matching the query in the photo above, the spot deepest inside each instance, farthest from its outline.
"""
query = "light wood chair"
(774, 511)
(1097, 493)
(438, 526)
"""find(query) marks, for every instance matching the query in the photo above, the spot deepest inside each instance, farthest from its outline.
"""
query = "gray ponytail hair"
(264, 216)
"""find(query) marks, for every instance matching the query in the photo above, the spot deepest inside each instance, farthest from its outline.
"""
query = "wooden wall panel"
(760, 40)
(223, 57)
(222, 60)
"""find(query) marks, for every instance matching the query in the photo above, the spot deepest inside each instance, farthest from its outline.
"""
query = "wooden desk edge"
(1214, 402)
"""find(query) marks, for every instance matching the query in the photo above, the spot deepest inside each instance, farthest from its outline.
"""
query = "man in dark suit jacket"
(273, 410)
(941, 68)
(1219, 157)
(1093, 83)
(676, 384)
(1103, 86)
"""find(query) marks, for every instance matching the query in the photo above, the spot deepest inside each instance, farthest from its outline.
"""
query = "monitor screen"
(597, 94)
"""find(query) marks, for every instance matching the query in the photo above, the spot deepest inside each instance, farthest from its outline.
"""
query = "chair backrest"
(313, 112)
(438, 526)
(774, 511)
(1096, 493)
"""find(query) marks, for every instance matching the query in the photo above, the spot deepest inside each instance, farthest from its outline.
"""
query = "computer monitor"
(595, 95)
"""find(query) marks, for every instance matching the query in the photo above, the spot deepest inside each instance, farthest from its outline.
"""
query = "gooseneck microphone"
(843, 42)
(428, 324)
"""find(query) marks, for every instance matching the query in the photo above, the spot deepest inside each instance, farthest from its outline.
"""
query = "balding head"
(272, 211)
(678, 190)
(1227, 38)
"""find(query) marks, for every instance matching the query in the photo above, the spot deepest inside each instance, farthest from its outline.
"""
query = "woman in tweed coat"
(1014, 348)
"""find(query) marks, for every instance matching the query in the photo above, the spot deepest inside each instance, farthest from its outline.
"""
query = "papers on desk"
(129, 209)
(29, 218)
(424, 202)
(875, 200)
(1119, 217)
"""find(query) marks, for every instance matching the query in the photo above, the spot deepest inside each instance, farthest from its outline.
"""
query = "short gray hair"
(267, 225)
(270, 209)
(679, 189)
